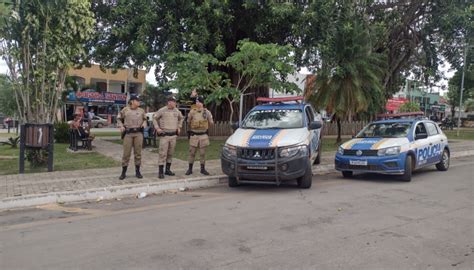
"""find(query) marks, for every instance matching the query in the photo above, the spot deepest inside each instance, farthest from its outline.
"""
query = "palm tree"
(349, 81)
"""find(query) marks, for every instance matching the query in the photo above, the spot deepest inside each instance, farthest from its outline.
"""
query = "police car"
(396, 146)
(278, 141)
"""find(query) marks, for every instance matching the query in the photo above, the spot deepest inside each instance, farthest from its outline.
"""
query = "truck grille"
(256, 154)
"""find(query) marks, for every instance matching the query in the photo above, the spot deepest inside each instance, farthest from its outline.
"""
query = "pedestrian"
(199, 120)
(167, 122)
(131, 121)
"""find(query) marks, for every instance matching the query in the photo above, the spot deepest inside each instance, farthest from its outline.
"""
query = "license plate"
(257, 168)
(358, 162)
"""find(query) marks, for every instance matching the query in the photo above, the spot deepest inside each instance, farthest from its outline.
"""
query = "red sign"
(393, 104)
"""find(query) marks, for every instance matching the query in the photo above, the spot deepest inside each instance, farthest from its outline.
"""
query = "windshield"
(385, 130)
(267, 119)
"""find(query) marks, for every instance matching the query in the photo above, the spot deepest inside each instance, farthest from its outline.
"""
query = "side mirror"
(235, 125)
(315, 125)
(420, 136)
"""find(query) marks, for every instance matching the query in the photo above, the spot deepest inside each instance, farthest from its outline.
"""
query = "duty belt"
(198, 133)
(163, 134)
(134, 130)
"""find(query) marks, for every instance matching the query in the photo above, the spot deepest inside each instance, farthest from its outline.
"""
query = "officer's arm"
(145, 122)
(210, 120)
(120, 119)
(156, 120)
(190, 117)
(180, 120)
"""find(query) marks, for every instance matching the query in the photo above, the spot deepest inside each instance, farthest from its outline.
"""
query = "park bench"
(75, 138)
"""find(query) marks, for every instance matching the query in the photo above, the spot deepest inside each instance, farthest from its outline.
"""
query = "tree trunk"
(339, 139)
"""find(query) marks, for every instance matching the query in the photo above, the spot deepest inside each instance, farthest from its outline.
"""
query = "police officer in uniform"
(199, 120)
(168, 122)
(131, 121)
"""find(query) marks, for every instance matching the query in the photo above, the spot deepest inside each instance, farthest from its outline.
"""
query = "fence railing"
(224, 129)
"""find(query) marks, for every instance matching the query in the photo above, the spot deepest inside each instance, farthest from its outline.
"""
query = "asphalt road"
(368, 222)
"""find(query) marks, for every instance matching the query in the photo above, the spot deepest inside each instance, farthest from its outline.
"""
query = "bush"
(61, 132)
(37, 157)
(409, 107)
(13, 142)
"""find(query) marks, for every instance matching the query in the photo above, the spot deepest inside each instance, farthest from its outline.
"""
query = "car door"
(422, 142)
(435, 143)
(314, 134)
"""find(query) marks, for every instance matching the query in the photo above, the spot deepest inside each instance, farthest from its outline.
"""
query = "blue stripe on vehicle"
(263, 137)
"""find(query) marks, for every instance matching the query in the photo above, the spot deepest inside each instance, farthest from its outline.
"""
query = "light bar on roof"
(280, 99)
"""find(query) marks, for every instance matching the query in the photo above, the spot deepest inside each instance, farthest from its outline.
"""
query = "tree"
(155, 97)
(7, 97)
(349, 81)
(266, 65)
(454, 83)
(40, 41)
(409, 107)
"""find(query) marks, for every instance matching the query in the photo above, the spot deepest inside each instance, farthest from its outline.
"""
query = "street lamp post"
(462, 89)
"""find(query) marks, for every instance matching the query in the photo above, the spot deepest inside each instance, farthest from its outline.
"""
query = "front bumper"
(375, 164)
(265, 171)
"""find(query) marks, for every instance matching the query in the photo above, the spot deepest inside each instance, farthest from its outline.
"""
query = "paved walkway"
(18, 186)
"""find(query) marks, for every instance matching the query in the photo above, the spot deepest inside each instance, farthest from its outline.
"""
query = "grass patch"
(8, 135)
(63, 160)
(329, 144)
(464, 134)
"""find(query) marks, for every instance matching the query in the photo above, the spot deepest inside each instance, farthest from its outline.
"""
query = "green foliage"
(455, 82)
(41, 39)
(350, 79)
(13, 142)
(155, 96)
(36, 157)
(469, 105)
(61, 132)
(254, 64)
(409, 107)
(8, 104)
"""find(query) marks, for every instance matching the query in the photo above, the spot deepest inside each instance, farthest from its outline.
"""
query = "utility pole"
(462, 89)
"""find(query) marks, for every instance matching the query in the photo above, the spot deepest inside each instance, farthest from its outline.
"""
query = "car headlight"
(390, 151)
(293, 151)
(229, 151)
(340, 150)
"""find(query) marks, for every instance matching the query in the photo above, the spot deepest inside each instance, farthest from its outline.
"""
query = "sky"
(150, 76)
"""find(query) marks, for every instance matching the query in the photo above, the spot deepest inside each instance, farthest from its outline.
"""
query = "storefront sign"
(393, 104)
(105, 97)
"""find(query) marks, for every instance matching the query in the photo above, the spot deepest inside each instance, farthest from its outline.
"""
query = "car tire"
(408, 169)
(233, 181)
(443, 165)
(347, 174)
(306, 180)
(100, 125)
(318, 158)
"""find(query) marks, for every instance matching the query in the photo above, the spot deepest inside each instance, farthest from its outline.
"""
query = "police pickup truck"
(278, 140)
(397, 146)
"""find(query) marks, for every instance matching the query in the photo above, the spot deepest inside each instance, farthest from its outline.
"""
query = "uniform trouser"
(134, 140)
(166, 151)
(198, 142)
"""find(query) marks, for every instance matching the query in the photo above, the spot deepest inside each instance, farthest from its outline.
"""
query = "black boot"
(160, 172)
(203, 170)
(190, 169)
(137, 171)
(124, 171)
(168, 171)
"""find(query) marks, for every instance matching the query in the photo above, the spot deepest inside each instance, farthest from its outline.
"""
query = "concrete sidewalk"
(66, 186)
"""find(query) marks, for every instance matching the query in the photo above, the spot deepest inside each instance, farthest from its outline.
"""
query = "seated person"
(76, 124)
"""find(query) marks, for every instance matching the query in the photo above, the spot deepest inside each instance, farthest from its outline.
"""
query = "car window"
(385, 130)
(432, 130)
(420, 129)
(274, 118)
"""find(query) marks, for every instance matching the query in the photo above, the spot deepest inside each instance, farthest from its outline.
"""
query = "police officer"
(199, 120)
(168, 122)
(131, 121)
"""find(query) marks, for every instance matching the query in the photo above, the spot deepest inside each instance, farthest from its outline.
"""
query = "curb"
(113, 192)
